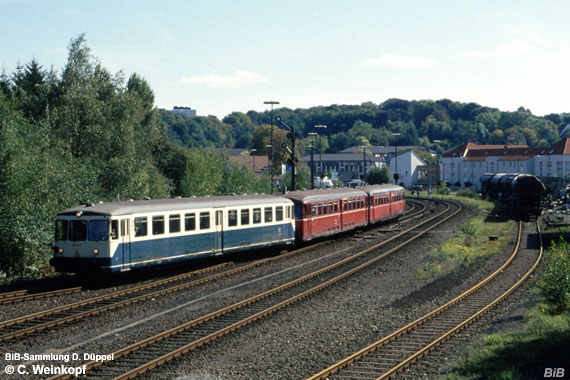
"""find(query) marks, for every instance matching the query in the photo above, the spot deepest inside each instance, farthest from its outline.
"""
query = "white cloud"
(401, 62)
(239, 79)
(509, 49)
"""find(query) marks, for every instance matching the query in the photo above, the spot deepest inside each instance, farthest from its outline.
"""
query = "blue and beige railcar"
(119, 236)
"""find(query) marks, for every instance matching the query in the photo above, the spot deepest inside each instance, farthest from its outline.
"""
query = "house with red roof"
(466, 163)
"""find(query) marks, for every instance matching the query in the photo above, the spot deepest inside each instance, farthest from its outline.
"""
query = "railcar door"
(219, 233)
(310, 212)
(126, 243)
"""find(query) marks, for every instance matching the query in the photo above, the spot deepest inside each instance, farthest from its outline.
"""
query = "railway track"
(31, 294)
(26, 295)
(147, 354)
(390, 355)
(32, 323)
(35, 322)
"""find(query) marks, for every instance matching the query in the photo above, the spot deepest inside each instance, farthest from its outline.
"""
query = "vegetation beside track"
(471, 242)
(542, 340)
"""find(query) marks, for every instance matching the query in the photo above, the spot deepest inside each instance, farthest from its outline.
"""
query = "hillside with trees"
(84, 134)
(422, 122)
(87, 135)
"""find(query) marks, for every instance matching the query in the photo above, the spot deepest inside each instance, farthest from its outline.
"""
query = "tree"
(378, 176)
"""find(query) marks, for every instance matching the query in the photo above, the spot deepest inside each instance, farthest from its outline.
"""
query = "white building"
(467, 162)
(186, 111)
(406, 165)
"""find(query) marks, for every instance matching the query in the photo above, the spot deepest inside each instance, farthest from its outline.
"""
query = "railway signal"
(292, 161)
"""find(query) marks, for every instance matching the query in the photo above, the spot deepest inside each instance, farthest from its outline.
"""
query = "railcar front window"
(140, 226)
(98, 230)
(61, 229)
(114, 229)
(78, 230)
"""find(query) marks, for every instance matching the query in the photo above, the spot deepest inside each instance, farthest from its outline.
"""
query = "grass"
(471, 241)
(543, 341)
(540, 343)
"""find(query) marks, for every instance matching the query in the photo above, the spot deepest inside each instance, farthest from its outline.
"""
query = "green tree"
(378, 176)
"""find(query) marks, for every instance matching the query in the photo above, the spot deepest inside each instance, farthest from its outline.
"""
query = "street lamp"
(396, 175)
(321, 152)
(363, 159)
(272, 102)
(269, 146)
(250, 153)
(312, 141)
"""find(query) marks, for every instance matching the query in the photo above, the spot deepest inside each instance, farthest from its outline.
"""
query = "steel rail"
(259, 314)
(24, 295)
(400, 332)
(106, 307)
(129, 300)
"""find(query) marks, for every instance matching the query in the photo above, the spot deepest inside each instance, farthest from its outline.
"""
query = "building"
(464, 165)
(186, 111)
(406, 164)
(381, 151)
(258, 164)
(348, 166)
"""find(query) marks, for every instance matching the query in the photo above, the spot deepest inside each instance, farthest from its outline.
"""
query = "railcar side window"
(345, 205)
(268, 214)
(98, 230)
(78, 230)
(158, 225)
(278, 213)
(314, 210)
(330, 208)
(61, 229)
(232, 218)
(174, 223)
(140, 226)
(114, 229)
(244, 217)
(190, 222)
(204, 220)
(256, 215)
(336, 207)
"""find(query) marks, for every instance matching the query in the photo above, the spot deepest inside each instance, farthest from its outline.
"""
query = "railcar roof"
(378, 189)
(172, 204)
(324, 194)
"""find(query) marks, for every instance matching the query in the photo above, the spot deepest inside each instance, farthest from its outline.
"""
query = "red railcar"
(328, 211)
(385, 202)
(331, 211)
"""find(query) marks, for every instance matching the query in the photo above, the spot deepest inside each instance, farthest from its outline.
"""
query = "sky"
(223, 56)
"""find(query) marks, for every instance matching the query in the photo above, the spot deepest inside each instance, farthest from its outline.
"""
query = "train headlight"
(60, 251)
(95, 251)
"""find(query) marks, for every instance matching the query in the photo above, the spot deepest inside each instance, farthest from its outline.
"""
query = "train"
(121, 236)
(521, 193)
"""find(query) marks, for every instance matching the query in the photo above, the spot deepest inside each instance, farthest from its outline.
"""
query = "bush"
(468, 193)
(555, 276)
